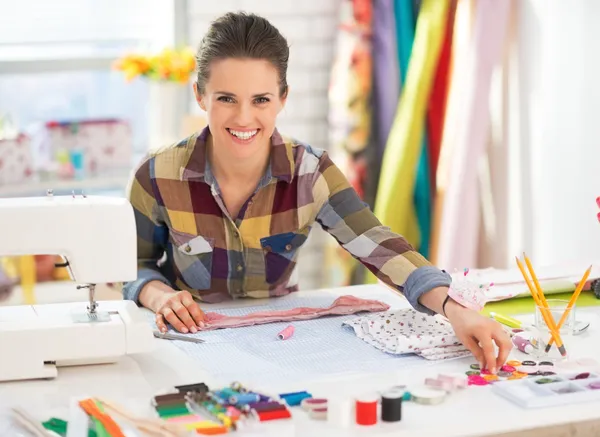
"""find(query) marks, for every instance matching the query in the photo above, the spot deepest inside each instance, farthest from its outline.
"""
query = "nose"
(244, 114)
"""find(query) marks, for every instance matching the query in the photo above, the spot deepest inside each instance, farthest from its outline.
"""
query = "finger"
(477, 352)
(174, 320)
(160, 323)
(194, 310)
(489, 353)
(502, 340)
(184, 315)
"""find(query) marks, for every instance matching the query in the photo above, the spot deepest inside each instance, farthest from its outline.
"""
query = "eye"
(225, 99)
(261, 100)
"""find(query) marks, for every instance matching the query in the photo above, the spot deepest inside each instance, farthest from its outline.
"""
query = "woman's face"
(242, 101)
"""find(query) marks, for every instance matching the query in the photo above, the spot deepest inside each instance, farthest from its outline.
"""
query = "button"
(239, 268)
(236, 235)
(288, 247)
(188, 248)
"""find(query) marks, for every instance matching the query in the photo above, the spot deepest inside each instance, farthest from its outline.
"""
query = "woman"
(224, 213)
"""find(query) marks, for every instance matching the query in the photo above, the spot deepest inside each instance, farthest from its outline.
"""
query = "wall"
(556, 131)
(310, 28)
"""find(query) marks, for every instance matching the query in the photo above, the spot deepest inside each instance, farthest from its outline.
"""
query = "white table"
(475, 411)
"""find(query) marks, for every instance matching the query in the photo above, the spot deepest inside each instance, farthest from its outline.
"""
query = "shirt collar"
(281, 165)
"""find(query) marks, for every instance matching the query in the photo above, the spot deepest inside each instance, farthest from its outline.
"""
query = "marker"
(505, 320)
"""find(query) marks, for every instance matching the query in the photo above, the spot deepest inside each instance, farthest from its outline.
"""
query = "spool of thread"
(391, 406)
(339, 411)
(286, 333)
(243, 399)
(427, 396)
(295, 399)
(309, 404)
(318, 413)
(264, 416)
(264, 406)
(366, 410)
(227, 393)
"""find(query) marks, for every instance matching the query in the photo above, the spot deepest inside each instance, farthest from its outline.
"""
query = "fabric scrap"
(344, 305)
(407, 331)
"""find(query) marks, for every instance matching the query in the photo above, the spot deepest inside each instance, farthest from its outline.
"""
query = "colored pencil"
(572, 302)
(543, 309)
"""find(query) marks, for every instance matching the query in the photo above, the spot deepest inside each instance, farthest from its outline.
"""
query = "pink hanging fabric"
(343, 305)
(459, 227)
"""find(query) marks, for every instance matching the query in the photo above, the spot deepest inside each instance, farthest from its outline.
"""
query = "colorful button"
(485, 372)
(507, 368)
(546, 363)
(475, 367)
(472, 372)
(585, 375)
(503, 374)
(516, 376)
(513, 363)
(528, 363)
(490, 377)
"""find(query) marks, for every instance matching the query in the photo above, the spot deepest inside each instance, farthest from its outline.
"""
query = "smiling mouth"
(243, 135)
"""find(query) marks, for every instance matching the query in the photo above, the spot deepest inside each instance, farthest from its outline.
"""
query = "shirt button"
(188, 248)
(239, 268)
(288, 247)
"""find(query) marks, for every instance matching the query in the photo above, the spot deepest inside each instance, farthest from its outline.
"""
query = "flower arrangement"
(169, 65)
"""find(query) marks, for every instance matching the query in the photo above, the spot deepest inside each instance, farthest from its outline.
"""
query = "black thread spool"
(391, 406)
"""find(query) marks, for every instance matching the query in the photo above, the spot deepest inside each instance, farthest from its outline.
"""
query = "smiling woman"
(224, 213)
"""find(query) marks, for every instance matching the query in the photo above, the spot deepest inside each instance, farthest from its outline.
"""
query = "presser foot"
(92, 314)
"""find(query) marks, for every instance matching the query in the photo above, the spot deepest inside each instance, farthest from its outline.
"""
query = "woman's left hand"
(479, 333)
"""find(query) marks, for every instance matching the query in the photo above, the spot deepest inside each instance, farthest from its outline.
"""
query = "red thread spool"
(273, 415)
(366, 410)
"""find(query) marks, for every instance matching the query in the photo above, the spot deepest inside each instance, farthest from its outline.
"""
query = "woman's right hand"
(181, 311)
(177, 308)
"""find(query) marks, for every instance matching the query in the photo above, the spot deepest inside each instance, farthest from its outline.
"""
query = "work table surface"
(475, 411)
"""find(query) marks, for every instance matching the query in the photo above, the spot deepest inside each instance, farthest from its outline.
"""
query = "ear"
(283, 98)
(199, 97)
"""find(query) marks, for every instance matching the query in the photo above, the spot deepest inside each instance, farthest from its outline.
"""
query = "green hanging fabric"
(420, 212)
(397, 183)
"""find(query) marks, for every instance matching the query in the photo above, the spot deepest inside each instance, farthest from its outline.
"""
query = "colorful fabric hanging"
(350, 113)
(459, 226)
(399, 167)
(405, 34)
(386, 85)
(422, 195)
(437, 101)
(462, 32)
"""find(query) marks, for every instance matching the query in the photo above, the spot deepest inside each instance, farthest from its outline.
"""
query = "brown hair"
(242, 35)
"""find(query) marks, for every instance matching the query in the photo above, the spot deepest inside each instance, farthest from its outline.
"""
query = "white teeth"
(243, 135)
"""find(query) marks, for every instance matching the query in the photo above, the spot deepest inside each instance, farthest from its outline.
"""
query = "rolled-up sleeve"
(389, 256)
(152, 233)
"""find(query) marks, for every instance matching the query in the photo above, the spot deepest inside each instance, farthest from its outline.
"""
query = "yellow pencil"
(574, 298)
(547, 317)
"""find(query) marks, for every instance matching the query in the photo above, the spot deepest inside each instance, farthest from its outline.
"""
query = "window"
(56, 56)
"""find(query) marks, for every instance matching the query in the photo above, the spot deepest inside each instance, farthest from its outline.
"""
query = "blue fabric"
(405, 31)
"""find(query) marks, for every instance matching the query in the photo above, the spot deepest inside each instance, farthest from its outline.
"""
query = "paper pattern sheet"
(319, 348)
(509, 283)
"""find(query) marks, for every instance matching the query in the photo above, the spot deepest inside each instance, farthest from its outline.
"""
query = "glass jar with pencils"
(555, 327)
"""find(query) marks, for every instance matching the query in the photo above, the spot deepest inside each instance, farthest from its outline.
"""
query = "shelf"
(117, 181)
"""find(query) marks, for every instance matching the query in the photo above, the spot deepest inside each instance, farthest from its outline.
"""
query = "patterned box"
(107, 144)
(16, 164)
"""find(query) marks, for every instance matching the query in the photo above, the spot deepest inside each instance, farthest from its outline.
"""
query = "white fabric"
(407, 331)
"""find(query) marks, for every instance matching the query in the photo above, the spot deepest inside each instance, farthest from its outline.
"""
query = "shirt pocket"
(280, 252)
(193, 256)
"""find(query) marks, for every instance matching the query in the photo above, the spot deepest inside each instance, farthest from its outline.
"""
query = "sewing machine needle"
(182, 337)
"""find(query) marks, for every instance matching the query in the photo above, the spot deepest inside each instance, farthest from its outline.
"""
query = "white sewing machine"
(96, 236)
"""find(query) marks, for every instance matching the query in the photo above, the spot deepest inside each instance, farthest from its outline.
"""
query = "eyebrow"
(228, 94)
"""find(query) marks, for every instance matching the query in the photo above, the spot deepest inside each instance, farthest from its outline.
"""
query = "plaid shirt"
(187, 239)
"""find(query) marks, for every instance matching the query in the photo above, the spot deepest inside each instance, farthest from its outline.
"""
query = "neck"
(231, 170)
